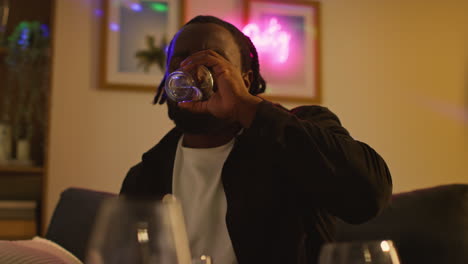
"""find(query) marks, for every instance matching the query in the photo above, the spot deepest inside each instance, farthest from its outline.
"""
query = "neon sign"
(272, 41)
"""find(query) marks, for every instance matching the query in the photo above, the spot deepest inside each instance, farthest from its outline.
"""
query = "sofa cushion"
(427, 225)
(73, 219)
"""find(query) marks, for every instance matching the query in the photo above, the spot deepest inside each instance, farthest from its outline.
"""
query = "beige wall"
(393, 70)
(395, 73)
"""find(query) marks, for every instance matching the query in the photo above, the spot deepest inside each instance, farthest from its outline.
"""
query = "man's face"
(190, 39)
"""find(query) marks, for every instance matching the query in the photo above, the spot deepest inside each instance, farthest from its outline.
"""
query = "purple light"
(114, 27)
(98, 12)
(23, 40)
(272, 41)
(136, 7)
(45, 30)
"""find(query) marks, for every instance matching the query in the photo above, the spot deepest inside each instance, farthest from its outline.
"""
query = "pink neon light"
(272, 40)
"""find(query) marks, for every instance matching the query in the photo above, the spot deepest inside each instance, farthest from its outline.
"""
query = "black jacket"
(286, 179)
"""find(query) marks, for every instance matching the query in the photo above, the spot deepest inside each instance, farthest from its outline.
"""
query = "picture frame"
(287, 37)
(131, 27)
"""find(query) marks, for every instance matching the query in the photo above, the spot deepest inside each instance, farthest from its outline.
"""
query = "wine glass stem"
(145, 253)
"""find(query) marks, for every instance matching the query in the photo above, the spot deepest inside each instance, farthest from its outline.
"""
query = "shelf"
(21, 169)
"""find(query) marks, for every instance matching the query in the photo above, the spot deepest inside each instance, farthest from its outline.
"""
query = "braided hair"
(248, 52)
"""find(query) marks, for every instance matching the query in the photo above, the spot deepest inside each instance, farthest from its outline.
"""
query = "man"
(258, 183)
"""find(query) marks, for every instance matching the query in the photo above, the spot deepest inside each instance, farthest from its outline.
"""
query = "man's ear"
(248, 78)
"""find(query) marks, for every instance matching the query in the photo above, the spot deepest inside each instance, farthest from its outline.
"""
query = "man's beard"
(195, 123)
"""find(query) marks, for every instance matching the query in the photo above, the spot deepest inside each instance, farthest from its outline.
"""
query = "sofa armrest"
(73, 219)
(427, 225)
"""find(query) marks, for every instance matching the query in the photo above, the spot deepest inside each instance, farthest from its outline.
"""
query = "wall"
(394, 72)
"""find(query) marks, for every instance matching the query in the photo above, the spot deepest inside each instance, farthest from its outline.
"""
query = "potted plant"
(26, 94)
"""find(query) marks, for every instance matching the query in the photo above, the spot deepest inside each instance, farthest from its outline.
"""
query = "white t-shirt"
(197, 184)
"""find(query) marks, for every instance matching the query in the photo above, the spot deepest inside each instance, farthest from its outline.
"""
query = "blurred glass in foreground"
(140, 232)
(360, 252)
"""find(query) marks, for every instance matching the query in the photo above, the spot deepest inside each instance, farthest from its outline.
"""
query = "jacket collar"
(158, 164)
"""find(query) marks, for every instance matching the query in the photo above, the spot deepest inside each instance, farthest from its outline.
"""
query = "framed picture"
(287, 37)
(134, 40)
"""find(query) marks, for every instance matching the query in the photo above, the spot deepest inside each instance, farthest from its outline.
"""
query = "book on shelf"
(17, 229)
(18, 219)
(24, 210)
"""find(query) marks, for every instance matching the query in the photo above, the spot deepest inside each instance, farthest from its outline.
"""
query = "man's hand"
(232, 101)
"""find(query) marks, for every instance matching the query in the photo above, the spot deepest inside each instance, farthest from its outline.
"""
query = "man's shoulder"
(137, 175)
(135, 170)
(310, 109)
(130, 183)
(170, 139)
(314, 112)
(298, 109)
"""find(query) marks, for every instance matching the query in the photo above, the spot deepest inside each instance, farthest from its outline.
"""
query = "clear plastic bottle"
(196, 85)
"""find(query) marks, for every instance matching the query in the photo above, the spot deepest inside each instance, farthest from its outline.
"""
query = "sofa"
(427, 225)
(73, 219)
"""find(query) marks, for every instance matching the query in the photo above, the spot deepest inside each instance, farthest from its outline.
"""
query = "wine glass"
(359, 252)
(139, 232)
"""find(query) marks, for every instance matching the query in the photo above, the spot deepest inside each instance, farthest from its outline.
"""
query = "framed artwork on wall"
(135, 34)
(287, 37)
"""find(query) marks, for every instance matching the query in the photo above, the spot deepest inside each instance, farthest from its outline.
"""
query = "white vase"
(5, 143)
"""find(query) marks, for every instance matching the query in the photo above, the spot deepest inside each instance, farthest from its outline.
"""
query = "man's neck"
(209, 140)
